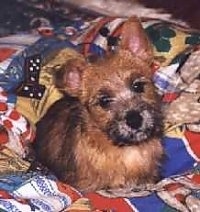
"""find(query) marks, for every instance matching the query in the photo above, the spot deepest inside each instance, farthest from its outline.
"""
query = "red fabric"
(103, 203)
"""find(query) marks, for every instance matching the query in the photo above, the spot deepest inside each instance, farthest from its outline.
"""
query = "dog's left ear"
(69, 77)
(134, 39)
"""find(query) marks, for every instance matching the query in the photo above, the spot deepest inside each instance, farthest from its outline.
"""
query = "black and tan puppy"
(105, 132)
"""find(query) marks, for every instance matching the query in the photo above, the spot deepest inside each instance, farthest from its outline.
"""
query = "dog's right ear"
(134, 39)
(69, 77)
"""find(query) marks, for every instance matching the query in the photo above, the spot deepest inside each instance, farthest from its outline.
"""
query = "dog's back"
(56, 137)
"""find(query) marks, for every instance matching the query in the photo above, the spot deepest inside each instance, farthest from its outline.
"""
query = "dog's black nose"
(134, 119)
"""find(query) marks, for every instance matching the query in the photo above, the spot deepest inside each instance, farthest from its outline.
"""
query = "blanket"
(27, 61)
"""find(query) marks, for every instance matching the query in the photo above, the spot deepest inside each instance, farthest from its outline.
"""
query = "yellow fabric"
(34, 109)
(82, 204)
(177, 46)
(11, 162)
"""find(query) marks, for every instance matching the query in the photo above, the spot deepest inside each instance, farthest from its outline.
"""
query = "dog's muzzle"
(135, 126)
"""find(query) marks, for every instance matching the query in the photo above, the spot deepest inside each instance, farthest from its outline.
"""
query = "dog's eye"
(104, 101)
(138, 86)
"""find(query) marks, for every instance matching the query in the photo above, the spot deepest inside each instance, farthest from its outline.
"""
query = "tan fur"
(115, 167)
(79, 139)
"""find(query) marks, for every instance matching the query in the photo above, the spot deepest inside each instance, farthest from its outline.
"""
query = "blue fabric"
(177, 159)
(151, 203)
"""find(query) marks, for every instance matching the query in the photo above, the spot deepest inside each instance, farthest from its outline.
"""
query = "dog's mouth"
(135, 127)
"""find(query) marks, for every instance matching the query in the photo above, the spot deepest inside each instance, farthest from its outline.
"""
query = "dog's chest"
(100, 153)
(132, 155)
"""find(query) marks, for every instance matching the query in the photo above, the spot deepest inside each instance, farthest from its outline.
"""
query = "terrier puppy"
(105, 132)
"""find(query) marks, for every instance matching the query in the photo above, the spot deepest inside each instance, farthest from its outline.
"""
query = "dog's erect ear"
(68, 77)
(134, 39)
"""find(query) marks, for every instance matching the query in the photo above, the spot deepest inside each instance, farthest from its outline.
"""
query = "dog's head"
(117, 91)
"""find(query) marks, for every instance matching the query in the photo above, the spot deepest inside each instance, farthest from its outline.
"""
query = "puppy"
(105, 132)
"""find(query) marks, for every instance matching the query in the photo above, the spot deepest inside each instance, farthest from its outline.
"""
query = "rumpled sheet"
(177, 78)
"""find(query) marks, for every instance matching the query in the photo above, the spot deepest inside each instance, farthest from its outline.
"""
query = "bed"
(32, 32)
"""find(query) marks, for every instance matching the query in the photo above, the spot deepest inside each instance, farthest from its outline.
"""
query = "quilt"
(28, 55)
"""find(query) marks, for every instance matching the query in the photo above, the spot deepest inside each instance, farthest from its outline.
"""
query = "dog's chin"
(123, 135)
(133, 137)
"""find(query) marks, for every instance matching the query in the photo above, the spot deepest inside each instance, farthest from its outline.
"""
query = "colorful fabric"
(16, 131)
(15, 49)
(177, 79)
(179, 84)
(102, 34)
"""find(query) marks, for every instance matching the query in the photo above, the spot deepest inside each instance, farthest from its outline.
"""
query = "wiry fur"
(105, 132)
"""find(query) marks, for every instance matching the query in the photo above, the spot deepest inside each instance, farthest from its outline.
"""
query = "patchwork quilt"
(28, 57)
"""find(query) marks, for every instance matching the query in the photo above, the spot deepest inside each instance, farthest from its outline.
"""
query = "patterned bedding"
(45, 39)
